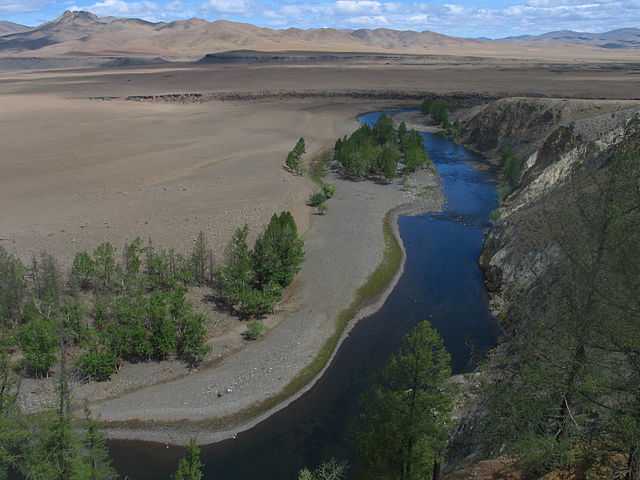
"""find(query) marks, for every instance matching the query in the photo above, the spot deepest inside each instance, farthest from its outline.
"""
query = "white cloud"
(358, 6)
(368, 20)
(122, 8)
(229, 6)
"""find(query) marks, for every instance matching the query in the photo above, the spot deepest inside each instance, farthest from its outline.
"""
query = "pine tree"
(237, 273)
(96, 455)
(403, 430)
(190, 467)
(199, 260)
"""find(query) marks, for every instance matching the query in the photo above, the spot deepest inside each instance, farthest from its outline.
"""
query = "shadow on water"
(441, 282)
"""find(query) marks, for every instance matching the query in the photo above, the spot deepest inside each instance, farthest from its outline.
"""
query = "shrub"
(316, 199)
(259, 302)
(322, 209)
(512, 168)
(328, 190)
(255, 329)
(98, 363)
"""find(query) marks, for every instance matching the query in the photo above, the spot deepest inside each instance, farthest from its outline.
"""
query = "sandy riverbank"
(343, 249)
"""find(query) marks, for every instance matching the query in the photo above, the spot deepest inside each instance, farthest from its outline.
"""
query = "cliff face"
(557, 140)
(562, 143)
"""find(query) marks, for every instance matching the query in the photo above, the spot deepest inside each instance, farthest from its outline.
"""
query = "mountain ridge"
(82, 33)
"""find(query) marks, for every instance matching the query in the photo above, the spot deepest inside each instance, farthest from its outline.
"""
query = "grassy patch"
(367, 293)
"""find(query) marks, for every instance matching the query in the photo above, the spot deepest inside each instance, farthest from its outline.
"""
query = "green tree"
(38, 341)
(163, 327)
(83, 271)
(14, 434)
(192, 347)
(404, 426)
(96, 456)
(294, 158)
(47, 282)
(105, 266)
(383, 130)
(278, 253)
(200, 260)
(190, 467)
(236, 274)
(331, 470)
(389, 159)
(13, 289)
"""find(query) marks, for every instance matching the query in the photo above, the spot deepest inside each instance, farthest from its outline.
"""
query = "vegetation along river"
(441, 282)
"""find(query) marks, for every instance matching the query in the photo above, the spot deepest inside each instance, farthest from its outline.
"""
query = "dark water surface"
(441, 283)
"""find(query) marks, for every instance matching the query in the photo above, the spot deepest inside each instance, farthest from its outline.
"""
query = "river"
(441, 282)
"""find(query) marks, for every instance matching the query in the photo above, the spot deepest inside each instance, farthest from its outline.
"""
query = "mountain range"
(620, 38)
(78, 33)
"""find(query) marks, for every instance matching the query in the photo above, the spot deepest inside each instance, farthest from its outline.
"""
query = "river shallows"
(441, 282)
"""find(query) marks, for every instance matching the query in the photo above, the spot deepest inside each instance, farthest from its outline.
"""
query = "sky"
(466, 18)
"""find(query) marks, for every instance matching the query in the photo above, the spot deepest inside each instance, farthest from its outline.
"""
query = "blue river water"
(442, 282)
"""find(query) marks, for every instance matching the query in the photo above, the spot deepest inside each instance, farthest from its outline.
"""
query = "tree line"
(381, 151)
(133, 305)
(438, 110)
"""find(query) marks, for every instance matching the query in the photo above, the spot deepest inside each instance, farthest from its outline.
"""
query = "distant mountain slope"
(620, 38)
(7, 28)
(82, 34)
(86, 33)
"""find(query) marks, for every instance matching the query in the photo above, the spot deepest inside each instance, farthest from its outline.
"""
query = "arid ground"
(76, 171)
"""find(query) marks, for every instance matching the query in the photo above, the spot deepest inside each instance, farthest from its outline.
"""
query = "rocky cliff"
(560, 143)
(556, 140)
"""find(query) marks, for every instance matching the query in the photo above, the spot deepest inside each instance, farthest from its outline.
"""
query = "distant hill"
(83, 34)
(620, 38)
(7, 28)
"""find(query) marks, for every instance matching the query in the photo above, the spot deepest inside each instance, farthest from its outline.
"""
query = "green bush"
(328, 190)
(98, 363)
(255, 329)
(512, 168)
(316, 199)
(256, 302)
(38, 341)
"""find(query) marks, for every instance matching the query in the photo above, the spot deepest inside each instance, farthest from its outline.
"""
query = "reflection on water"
(441, 282)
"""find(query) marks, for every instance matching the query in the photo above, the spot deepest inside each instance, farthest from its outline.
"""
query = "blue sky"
(491, 18)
